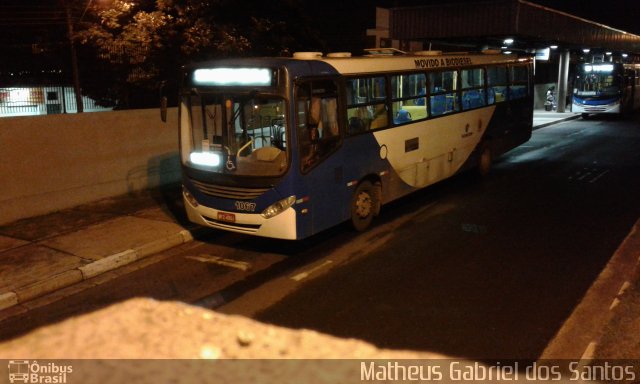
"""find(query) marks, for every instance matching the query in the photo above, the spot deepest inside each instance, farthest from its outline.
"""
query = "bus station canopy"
(490, 22)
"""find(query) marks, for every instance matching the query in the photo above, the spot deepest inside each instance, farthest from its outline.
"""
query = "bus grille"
(595, 109)
(229, 192)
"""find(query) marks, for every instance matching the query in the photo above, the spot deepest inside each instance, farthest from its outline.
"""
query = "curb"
(85, 272)
(555, 122)
(573, 339)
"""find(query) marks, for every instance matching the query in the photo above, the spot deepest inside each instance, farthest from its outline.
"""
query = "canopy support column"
(563, 77)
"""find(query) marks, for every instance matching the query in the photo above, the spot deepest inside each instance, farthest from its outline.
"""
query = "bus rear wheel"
(364, 205)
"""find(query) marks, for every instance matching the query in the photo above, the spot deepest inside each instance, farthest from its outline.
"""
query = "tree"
(136, 47)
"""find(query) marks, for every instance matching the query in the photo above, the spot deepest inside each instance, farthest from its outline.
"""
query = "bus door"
(628, 82)
(321, 162)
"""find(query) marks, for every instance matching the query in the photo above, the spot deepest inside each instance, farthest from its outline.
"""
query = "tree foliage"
(130, 49)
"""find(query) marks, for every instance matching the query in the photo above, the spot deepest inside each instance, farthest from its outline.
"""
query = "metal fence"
(42, 100)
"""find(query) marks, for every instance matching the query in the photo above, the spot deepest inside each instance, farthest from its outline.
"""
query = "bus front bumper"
(603, 108)
(282, 226)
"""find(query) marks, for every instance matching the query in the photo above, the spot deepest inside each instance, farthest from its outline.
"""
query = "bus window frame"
(417, 96)
(457, 107)
(482, 88)
(370, 102)
(513, 82)
(505, 84)
(508, 83)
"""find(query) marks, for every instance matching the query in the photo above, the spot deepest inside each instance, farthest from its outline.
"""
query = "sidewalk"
(44, 254)
(542, 118)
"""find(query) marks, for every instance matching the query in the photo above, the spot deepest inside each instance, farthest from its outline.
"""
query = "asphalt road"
(491, 268)
(478, 268)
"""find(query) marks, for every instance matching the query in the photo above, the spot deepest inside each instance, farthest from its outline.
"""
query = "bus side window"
(519, 80)
(408, 98)
(443, 92)
(497, 84)
(366, 104)
(473, 88)
(318, 128)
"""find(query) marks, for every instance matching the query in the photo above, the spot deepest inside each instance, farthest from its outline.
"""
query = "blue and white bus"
(288, 147)
(604, 87)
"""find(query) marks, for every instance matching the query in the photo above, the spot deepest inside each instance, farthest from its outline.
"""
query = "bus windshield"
(597, 80)
(237, 134)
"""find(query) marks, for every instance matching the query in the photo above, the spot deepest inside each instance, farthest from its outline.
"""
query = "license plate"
(228, 217)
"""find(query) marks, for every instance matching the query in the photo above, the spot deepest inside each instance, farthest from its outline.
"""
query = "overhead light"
(553, 46)
(586, 50)
(508, 41)
(608, 53)
(507, 52)
(624, 55)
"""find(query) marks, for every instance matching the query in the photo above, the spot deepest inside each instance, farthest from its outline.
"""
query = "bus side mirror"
(163, 109)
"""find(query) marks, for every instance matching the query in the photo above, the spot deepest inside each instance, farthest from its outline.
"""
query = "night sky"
(343, 22)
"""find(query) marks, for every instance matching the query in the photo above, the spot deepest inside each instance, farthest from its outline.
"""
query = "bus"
(606, 87)
(288, 147)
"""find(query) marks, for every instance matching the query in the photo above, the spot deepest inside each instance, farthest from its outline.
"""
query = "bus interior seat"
(266, 154)
(472, 99)
(491, 95)
(438, 104)
(380, 119)
(403, 116)
(517, 92)
(356, 125)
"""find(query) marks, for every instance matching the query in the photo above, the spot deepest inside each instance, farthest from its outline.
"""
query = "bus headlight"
(279, 207)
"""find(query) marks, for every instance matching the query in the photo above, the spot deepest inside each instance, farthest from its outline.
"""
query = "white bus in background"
(605, 87)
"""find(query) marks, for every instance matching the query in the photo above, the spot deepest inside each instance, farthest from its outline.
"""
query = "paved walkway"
(544, 118)
(46, 253)
(43, 254)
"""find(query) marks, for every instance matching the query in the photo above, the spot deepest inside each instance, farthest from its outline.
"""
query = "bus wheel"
(585, 116)
(363, 205)
(484, 163)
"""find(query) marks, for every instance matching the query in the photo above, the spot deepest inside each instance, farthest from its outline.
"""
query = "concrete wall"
(60, 161)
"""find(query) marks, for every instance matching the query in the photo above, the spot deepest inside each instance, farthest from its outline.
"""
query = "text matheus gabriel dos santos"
(439, 370)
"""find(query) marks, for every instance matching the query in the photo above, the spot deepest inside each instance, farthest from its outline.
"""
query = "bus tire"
(485, 160)
(363, 205)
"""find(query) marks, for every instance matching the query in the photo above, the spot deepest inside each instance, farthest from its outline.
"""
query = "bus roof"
(388, 63)
(316, 64)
